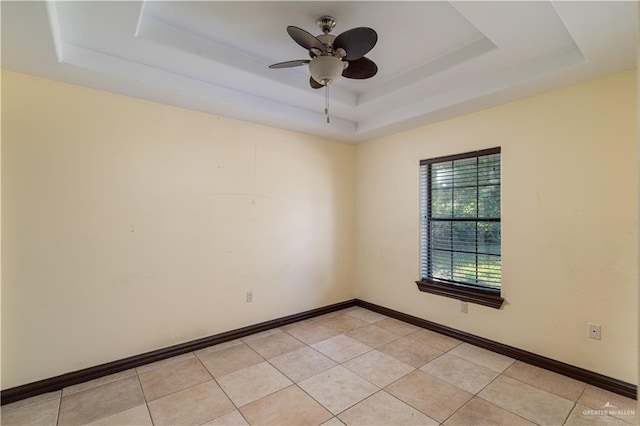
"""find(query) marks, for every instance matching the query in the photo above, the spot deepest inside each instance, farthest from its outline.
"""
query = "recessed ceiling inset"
(435, 60)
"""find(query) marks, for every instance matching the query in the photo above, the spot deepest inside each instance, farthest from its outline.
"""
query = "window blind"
(460, 235)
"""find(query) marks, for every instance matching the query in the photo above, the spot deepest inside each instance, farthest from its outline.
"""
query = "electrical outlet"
(464, 308)
(594, 330)
(249, 296)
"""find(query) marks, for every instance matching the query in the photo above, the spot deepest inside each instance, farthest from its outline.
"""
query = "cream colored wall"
(569, 226)
(130, 226)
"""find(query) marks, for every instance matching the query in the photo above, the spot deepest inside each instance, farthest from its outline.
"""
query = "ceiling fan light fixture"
(326, 69)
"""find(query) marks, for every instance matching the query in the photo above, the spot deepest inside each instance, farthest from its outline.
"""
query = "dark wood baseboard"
(614, 385)
(80, 376)
(56, 383)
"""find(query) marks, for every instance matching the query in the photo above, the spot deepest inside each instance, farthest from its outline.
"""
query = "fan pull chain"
(326, 102)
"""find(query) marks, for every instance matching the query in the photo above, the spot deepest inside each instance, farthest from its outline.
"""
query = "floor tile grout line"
(297, 384)
(266, 337)
(473, 394)
(96, 387)
(144, 398)
(63, 395)
(490, 382)
(337, 364)
(523, 382)
(507, 409)
(420, 369)
(293, 383)
(146, 405)
(477, 395)
(284, 374)
(308, 344)
(230, 400)
(544, 390)
(498, 373)
(387, 343)
(263, 396)
(623, 420)
(313, 349)
(431, 347)
(8, 409)
(144, 395)
(479, 365)
(243, 416)
(566, 419)
(206, 369)
(410, 404)
(59, 408)
(459, 408)
(584, 389)
(311, 396)
(357, 402)
(592, 408)
(225, 414)
(267, 360)
(582, 394)
(513, 360)
(406, 403)
(348, 369)
(381, 387)
(221, 388)
(491, 402)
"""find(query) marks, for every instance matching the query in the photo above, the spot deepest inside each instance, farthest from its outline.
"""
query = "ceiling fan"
(333, 56)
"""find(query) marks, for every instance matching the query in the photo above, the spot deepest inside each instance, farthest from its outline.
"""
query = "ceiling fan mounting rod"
(326, 24)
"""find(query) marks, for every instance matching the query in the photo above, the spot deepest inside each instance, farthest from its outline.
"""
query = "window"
(460, 227)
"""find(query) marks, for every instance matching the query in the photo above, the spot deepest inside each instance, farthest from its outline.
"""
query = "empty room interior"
(319, 213)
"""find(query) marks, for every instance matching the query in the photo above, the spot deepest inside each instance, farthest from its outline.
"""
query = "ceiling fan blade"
(360, 69)
(305, 39)
(314, 84)
(290, 64)
(357, 42)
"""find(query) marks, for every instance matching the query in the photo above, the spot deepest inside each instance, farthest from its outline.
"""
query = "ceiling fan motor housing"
(327, 40)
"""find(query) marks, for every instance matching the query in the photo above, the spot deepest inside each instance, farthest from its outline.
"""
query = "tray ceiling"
(436, 59)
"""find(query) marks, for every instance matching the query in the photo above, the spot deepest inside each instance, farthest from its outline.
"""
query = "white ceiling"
(436, 60)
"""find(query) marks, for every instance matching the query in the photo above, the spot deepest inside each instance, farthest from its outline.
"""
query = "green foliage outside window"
(461, 219)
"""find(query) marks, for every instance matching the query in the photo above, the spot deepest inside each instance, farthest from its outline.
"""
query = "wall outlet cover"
(594, 330)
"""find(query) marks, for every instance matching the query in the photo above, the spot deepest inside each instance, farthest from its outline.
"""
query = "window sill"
(465, 294)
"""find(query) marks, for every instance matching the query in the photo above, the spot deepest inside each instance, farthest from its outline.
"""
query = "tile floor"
(352, 367)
